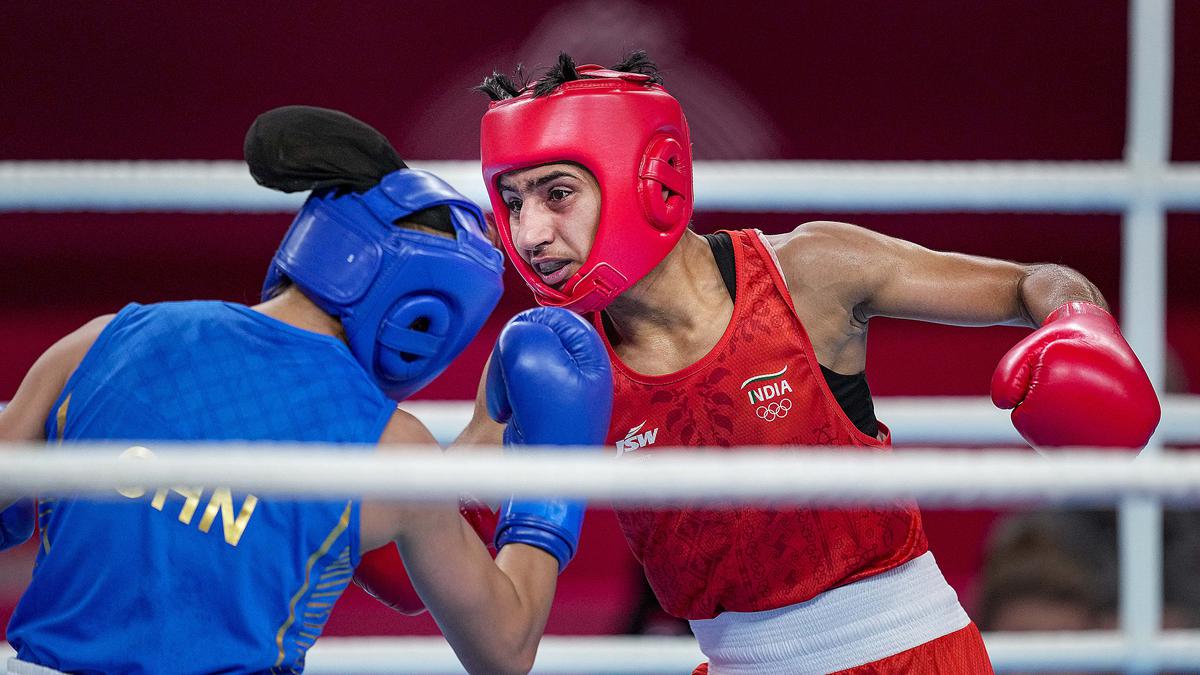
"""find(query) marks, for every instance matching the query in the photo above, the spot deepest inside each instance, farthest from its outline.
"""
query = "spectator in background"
(1050, 571)
(1181, 569)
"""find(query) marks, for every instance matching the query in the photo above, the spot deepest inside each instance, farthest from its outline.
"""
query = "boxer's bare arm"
(381, 521)
(491, 612)
(23, 419)
(841, 275)
(481, 430)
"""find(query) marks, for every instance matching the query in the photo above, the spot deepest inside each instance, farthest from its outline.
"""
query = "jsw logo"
(633, 440)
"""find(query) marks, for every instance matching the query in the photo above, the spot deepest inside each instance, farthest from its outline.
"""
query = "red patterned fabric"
(959, 653)
(760, 385)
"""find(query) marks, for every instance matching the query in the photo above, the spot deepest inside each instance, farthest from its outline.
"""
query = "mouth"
(553, 271)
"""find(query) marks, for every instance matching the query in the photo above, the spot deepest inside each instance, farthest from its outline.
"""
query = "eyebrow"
(535, 183)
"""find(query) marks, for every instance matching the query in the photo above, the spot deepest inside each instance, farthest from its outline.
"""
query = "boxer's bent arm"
(1048, 287)
(24, 418)
(380, 521)
(877, 275)
(491, 612)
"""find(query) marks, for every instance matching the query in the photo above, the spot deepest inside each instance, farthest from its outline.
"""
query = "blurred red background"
(938, 80)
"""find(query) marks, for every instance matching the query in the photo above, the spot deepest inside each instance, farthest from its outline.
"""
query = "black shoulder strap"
(722, 248)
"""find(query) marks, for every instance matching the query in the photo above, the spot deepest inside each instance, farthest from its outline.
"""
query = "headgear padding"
(409, 301)
(632, 135)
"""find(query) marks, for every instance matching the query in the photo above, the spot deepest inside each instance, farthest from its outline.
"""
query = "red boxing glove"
(381, 571)
(482, 518)
(1076, 382)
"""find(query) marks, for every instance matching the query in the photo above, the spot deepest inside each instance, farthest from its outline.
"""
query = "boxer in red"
(744, 339)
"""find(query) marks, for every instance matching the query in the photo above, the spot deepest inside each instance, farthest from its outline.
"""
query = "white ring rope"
(934, 478)
(226, 186)
(746, 475)
(644, 655)
(631, 654)
(943, 420)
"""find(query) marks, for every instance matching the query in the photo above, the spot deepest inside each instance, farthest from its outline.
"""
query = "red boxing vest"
(759, 386)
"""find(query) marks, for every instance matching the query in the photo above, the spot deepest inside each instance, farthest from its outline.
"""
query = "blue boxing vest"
(197, 579)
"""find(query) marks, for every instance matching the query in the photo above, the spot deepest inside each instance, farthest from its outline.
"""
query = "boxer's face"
(553, 212)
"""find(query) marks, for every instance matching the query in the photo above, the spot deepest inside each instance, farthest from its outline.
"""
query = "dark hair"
(498, 86)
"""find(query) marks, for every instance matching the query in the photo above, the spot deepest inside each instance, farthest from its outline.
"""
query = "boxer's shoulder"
(382, 521)
(829, 267)
(822, 243)
(403, 428)
(821, 250)
(24, 416)
(69, 351)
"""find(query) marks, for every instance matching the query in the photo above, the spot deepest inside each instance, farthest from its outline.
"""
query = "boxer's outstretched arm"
(1072, 382)
(24, 418)
(491, 612)
(872, 274)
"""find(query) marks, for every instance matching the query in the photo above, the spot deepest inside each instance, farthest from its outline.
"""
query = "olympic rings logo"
(774, 409)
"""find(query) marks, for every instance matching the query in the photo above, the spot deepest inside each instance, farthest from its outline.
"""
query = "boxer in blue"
(385, 275)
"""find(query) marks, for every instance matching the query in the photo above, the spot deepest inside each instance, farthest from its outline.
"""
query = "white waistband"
(18, 667)
(841, 628)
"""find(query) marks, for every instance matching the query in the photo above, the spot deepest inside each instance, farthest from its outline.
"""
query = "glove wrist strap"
(1077, 308)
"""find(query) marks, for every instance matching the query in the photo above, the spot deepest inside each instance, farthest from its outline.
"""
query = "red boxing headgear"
(632, 136)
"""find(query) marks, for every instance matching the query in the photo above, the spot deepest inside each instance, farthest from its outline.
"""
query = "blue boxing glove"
(16, 523)
(551, 381)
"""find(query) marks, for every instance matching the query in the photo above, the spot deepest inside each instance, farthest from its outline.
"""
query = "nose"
(534, 228)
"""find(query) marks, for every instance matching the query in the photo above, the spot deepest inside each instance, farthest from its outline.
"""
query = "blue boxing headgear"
(409, 301)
